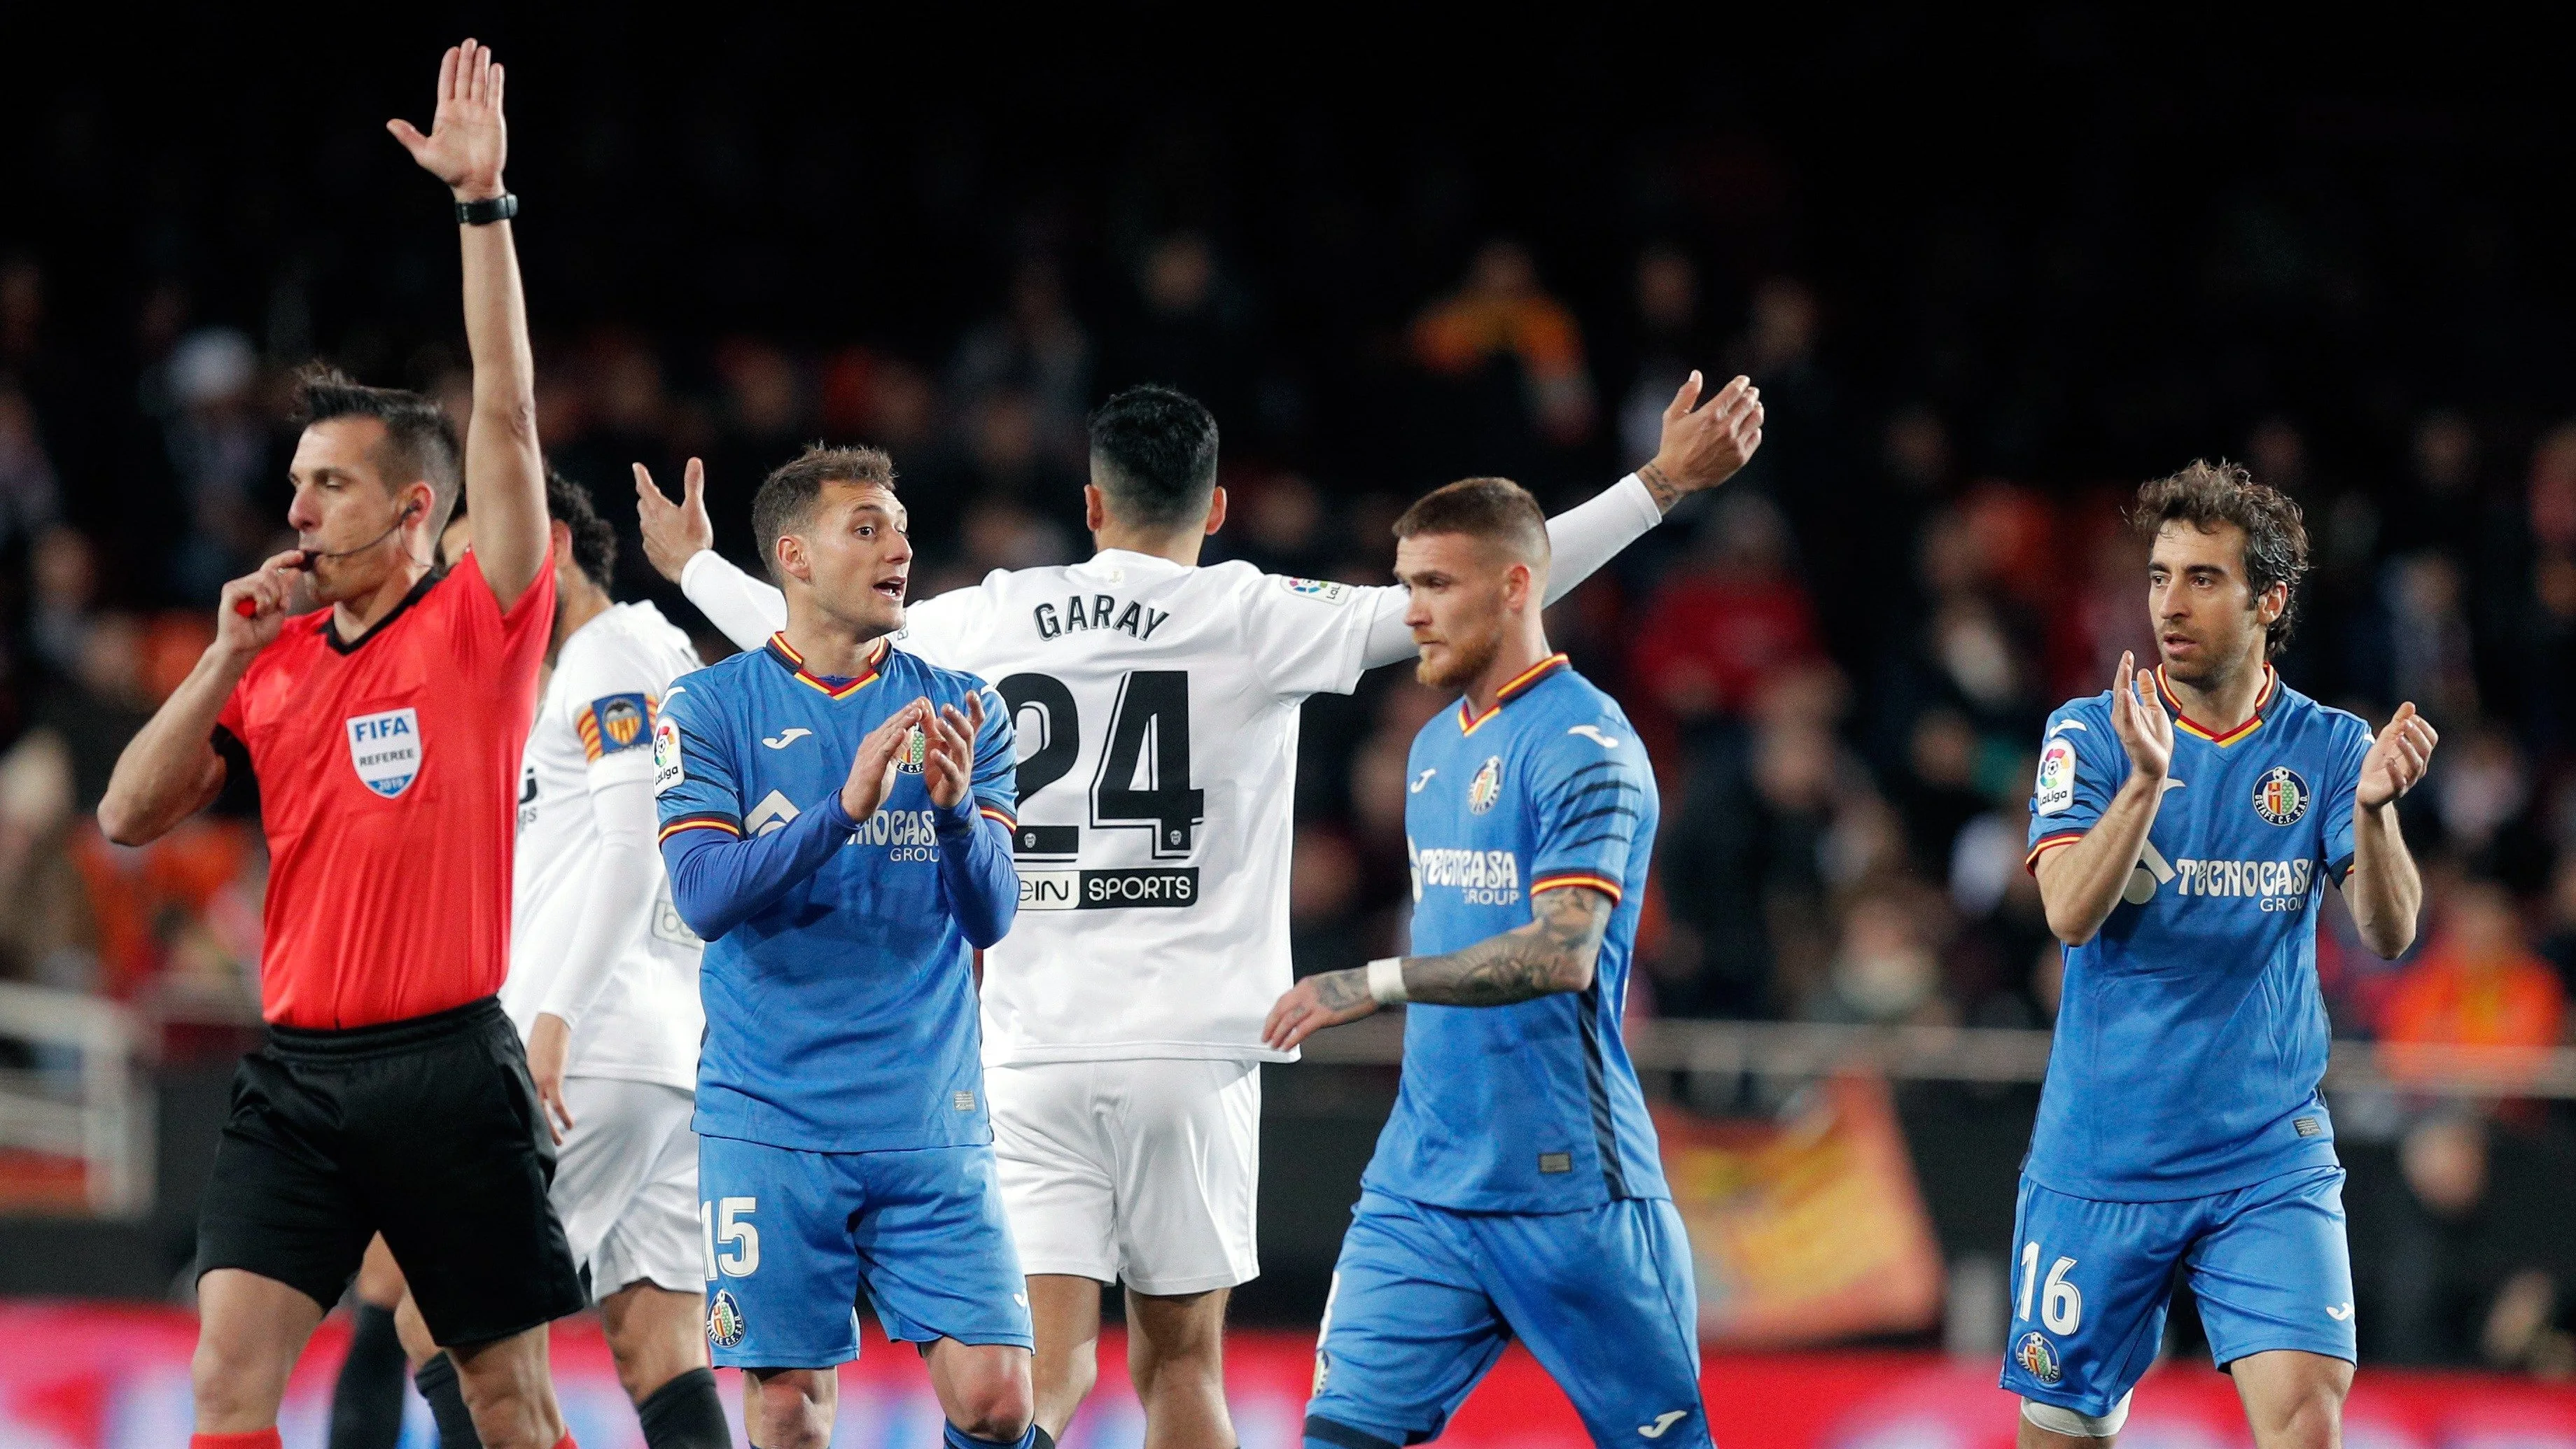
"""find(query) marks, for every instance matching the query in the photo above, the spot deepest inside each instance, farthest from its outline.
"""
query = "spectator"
(218, 451)
(1507, 361)
(2477, 985)
(1669, 344)
(29, 494)
(1037, 351)
(1731, 623)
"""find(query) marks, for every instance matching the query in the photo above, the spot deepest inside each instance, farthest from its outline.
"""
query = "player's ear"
(1216, 510)
(791, 559)
(1095, 508)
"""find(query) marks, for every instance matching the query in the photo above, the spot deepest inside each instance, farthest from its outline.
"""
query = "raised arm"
(679, 541)
(2383, 889)
(169, 770)
(1554, 952)
(1704, 444)
(505, 481)
(2080, 880)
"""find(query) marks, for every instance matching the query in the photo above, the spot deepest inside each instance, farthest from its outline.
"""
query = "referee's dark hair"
(594, 542)
(786, 497)
(420, 440)
(1153, 451)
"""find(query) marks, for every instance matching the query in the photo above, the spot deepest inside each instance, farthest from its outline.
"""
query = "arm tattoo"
(1659, 483)
(1552, 953)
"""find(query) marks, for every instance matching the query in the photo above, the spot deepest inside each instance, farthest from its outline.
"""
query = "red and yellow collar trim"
(1521, 683)
(785, 654)
(2253, 722)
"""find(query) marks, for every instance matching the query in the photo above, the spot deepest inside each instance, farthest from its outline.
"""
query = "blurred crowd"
(1841, 662)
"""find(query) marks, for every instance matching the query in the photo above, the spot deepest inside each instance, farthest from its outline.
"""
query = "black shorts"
(426, 1130)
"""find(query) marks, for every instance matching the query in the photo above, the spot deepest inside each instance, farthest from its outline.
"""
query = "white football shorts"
(626, 1185)
(1142, 1172)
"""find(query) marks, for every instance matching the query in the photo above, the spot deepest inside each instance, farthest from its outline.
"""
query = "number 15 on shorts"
(732, 1244)
(2061, 1304)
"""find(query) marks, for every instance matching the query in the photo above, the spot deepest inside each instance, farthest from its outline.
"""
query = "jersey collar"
(330, 630)
(1522, 683)
(787, 657)
(2253, 722)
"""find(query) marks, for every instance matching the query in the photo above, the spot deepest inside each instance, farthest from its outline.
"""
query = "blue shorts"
(1424, 1299)
(2091, 1281)
(793, 1236)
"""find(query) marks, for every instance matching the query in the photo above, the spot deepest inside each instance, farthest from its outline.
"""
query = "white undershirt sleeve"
(617, 902)
(747, 610)
(1579, 541)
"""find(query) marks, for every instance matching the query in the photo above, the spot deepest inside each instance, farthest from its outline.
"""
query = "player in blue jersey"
(1516, 1191)
(2183, 830)
(836, 817)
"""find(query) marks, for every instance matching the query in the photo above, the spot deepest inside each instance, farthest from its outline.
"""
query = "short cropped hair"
(2206, 495)
(1155, 453)
(1497, 510)
(786, 498)
(594, 541)
(420, 440)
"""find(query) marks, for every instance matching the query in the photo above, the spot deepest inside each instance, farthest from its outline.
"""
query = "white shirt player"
(594, 938)
(1156, 706)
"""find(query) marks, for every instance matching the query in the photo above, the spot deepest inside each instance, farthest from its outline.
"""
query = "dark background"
(1991, 272)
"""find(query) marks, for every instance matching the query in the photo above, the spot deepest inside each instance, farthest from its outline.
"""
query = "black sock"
(685, 1414)
(367, 1403)
(436, 1381)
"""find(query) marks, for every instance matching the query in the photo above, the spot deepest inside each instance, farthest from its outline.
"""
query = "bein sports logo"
(2038, 1357)
(385, 749)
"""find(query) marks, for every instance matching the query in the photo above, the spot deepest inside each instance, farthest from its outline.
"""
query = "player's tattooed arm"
(1554, 952)
(1703, 444)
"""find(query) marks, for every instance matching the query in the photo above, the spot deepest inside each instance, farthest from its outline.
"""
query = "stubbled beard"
(2212, 670)
(1467, 660)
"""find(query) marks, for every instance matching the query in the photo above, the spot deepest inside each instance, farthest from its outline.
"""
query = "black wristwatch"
(484, 213)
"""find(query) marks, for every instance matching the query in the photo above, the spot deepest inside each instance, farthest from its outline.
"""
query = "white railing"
(1984, 1054)
(98, 1112)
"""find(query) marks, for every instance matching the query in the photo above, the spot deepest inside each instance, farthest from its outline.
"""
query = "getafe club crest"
(2282, 797)
(385, 748)
(1487, 787)
(2037, 1356)
(916, 748)
(724, 1319)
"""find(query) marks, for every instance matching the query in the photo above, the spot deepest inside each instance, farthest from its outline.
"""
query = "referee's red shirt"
(388, 780)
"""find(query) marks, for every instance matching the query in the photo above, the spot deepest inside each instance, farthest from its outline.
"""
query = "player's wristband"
(487, 211)
(1386, 980)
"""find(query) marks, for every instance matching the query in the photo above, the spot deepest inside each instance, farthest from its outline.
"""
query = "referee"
(385, 730)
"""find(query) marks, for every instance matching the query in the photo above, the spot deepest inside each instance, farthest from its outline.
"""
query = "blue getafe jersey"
(2192, 1036)
(1533, 1107)
(840, 1001)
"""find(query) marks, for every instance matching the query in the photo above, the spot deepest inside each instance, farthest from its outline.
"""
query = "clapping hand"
(948, 766)
(2397, 759)
(2139, 718)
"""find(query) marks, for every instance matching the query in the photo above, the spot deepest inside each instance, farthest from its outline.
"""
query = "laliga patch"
(613, 724)
(385, 748)
(1324, 589)
(2038, 1357)
(724, 1319)
(2281, 797)
(2055, 789)
(667, 769)
(1487, 787)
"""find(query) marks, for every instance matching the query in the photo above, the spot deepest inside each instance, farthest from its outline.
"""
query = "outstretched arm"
(679, 541)
(2383, 889)
(2080, 882)
(505, 480)
(1704, 444)
(1554, 952)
